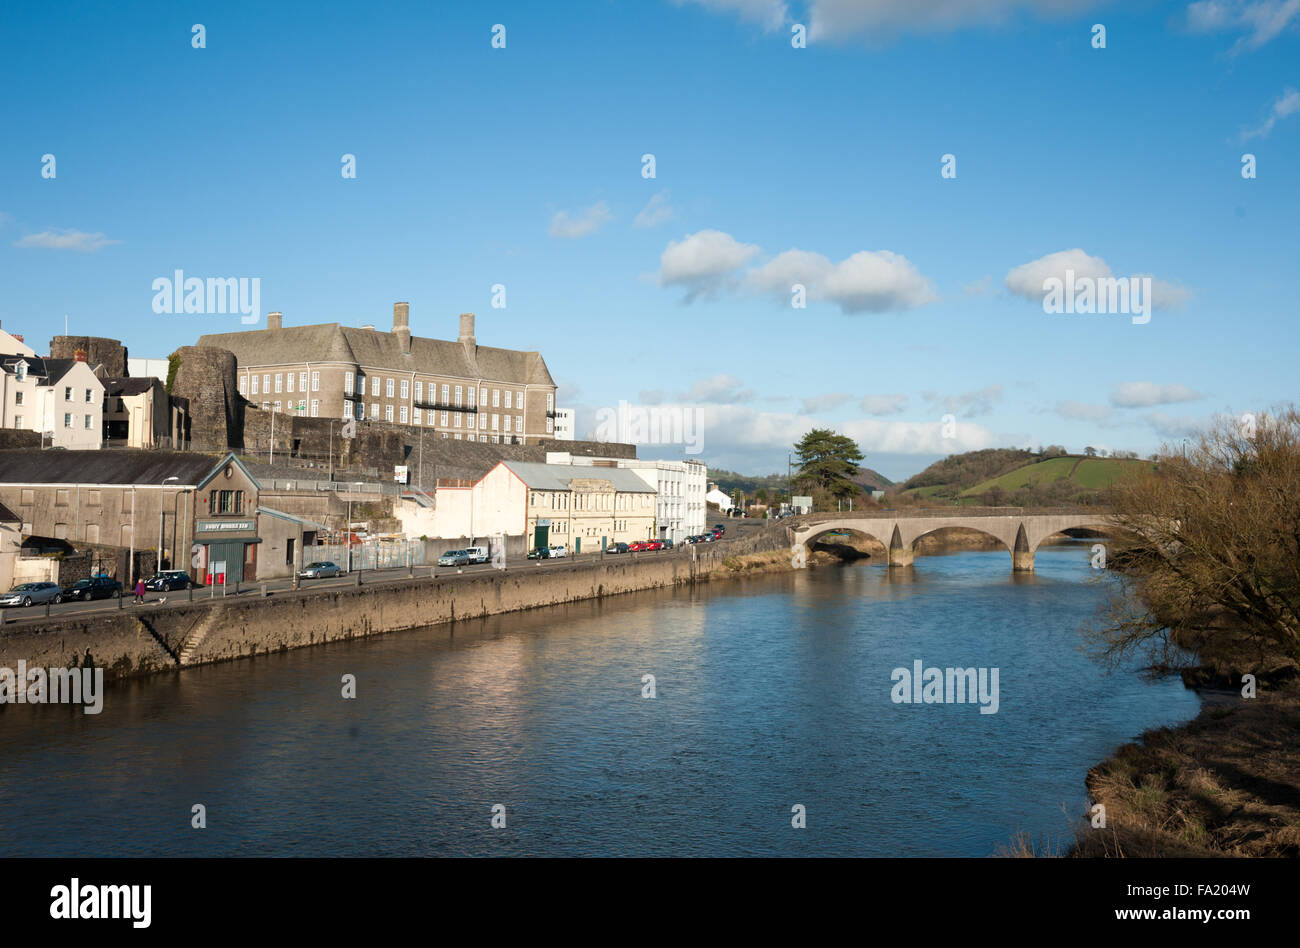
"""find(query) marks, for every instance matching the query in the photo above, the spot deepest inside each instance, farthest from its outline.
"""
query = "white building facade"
(62, 399)
(564, 424)
(680, 507)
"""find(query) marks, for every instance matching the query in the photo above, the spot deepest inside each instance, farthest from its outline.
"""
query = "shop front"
(226, 548)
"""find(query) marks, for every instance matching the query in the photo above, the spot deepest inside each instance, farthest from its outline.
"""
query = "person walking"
(139, 590)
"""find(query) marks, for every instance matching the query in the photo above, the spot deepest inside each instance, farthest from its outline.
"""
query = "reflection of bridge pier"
(1021, 530)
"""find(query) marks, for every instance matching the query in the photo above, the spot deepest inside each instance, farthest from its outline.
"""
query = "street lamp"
(161, 509)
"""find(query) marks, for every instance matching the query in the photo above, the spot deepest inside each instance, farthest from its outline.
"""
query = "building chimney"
(467, 329)
(274, 320)
(79, 355)
(402, 324)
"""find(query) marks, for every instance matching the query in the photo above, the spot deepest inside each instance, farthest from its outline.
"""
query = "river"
(770, 692)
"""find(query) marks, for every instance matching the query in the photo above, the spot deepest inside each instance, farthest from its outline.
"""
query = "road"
(19, 615)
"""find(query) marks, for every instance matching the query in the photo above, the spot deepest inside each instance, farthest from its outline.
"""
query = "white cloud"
(1170, 427)
(1027, 279)
(769, 14)
(657, 210)
(883, 404)
(66, 240)
(821, 403)
(869, 281)
(1148, 394)
(703, 262)
(1286, 105)
(723, 389)
(586, 222)
(1078, 411)
(1260, 20)
(965, 404)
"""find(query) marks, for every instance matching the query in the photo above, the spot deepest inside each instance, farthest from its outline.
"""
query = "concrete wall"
(212, 630)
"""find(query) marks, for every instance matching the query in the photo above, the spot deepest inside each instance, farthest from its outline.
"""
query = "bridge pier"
(1022, 557)
(900, 553)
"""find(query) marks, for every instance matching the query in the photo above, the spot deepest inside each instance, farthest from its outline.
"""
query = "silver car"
(28, 594)
(454, 558)
(320, 570)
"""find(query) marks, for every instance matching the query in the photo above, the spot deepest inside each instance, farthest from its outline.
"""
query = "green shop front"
(225, 550)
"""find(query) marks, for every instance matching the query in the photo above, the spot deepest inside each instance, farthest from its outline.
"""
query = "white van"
(478, 554)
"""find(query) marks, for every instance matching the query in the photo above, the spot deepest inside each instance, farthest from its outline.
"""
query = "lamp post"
(161, 509)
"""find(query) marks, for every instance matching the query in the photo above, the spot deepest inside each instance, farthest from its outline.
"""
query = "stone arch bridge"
(1021, 529)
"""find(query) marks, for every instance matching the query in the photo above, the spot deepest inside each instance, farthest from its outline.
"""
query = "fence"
(381, 554)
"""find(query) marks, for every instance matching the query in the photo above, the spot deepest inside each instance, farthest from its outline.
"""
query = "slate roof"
(52, 466)
(47, 371)
(560, 476)
(332, 342)
(128, 386)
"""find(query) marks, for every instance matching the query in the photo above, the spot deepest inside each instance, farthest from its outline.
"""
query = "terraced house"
(460, 389)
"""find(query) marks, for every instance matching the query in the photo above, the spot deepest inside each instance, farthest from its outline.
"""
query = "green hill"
(1071, 472)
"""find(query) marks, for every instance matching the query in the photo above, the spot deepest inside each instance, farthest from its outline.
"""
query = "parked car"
(616, 548)
(710, 537)
(719, 528)
(170, 579)
(557, 551)
(97, 587)
(322, 569)
(454, 558)
(27, 594)
(540, 553)
(668, 544)
(654, 544)
(636, 547)
(478, 554)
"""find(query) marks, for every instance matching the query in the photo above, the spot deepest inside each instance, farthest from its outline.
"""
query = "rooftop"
(58, 466)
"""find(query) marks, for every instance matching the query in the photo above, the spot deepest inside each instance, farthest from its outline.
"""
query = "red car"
(637, 547)
(654, 545)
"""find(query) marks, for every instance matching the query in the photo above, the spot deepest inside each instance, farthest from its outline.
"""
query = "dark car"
(668, 544)
(719, 528)
(541, 553)
(170, 579)
(97, 587)
(616, 548)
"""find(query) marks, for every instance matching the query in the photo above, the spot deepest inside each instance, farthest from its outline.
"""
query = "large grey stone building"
(459, 389)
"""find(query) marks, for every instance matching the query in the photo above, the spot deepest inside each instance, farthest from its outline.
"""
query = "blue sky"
(821, 165)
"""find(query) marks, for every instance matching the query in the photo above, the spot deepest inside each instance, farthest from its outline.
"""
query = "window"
(549, 426)
(496, 422)
(18, 421)
(289, 383)
(445, 388)
(279, 383)
(61, 497)
(21, 371)
(67, 393)
(255, 379)
(29, 495)
(401, 414)
(496, 398)
(419, 390)
(519, 401)
(455, 419)
(67, 420)
(482, 397)
(277, 406)
(417, 415)
(361, 384)
(87, 423)
(532, 500)
(508, 419)
(508, 399)
(243, 385)
(18, 398)
(374, 409)
(374, 386)
(471, 396)
(315, 381)
(89, 393)
(458, 396)
(266, 385)
(315, 407)
(388, 388)
(519, 423)
(347, 411)
(406, 389)
(347, 383)
(482, 422)
(443, 422)
(302, 381)
(550, 402)
(388, 413)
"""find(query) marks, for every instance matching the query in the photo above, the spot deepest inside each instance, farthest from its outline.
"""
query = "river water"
(770, 692)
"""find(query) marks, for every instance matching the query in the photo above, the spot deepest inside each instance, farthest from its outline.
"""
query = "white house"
(564, 424)
(715, 496)
(61, 398)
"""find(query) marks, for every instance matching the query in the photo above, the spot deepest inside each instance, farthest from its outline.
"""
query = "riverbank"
(133, 643)
(1226, 783)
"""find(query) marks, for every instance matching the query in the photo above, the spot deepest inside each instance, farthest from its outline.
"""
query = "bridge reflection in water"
(1021, 530)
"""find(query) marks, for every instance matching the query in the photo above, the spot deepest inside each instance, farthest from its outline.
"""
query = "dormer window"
(20, 371)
